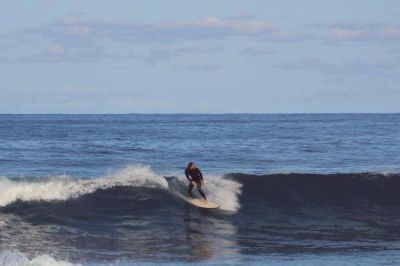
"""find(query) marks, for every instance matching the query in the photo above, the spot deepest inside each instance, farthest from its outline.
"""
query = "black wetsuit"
(196, 176)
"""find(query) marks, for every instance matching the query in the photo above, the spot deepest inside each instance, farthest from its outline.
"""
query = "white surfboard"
(202, 203)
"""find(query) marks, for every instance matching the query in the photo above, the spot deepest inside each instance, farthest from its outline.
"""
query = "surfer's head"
(191, 165)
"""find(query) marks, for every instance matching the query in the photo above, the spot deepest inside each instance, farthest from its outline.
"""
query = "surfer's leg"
(201, 191)
(190, 190)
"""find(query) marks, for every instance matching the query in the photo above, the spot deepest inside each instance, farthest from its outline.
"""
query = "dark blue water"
(294, 189)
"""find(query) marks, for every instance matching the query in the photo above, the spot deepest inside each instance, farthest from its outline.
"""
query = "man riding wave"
(195, 177)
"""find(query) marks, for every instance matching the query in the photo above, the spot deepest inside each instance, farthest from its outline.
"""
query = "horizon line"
(205, 113)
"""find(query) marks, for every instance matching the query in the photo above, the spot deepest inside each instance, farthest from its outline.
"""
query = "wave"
(135, 211)
(138, 190)
(17, 258)
(320, 188)
(138, 185)
(63, 188)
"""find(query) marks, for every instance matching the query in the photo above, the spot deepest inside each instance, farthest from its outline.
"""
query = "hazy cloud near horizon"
(191, 56)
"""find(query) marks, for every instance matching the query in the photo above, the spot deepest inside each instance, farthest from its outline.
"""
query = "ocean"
(294, 189)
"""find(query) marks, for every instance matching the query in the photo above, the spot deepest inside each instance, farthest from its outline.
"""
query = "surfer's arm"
(187, 175)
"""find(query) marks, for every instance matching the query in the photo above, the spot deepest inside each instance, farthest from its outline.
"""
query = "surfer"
(195, 177)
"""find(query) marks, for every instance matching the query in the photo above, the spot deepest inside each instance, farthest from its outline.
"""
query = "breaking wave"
(133, 179)
(16, 258)
(64, 188)
(138, 188)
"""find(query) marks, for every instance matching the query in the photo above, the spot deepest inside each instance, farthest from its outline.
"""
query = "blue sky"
(192, 56)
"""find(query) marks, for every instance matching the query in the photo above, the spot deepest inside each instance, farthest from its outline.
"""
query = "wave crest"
(16, 258)
(63, 188)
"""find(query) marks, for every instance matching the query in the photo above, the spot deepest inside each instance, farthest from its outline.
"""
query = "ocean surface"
(295, 189)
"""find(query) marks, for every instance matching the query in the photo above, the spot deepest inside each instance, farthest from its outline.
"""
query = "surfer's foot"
(190, 196)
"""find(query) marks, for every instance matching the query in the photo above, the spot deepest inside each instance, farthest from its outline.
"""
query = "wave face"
(138, 188)
(135, 211)
(320, 188)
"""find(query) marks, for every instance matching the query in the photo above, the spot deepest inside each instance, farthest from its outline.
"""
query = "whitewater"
(61, 188)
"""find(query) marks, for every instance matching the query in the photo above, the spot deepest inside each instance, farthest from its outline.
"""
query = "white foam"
(16, 258)
(2, 224)
(220, 190)
(62, 188)
(223, 191)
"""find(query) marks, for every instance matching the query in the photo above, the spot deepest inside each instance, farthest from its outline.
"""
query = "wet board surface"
(203, 204)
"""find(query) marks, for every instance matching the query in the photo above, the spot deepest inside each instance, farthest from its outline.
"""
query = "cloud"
(201, 67)
(242, 15)
(57, 49)
(344, 69)
(255, 51)
(352, 31)
(282, 36)
(347, 24)
(76, 38)
(74, 53)
(157, 55)
(78, 28)
(236, 26)
(383, 34)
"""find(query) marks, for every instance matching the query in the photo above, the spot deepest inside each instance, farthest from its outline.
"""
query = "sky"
(199, 56)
